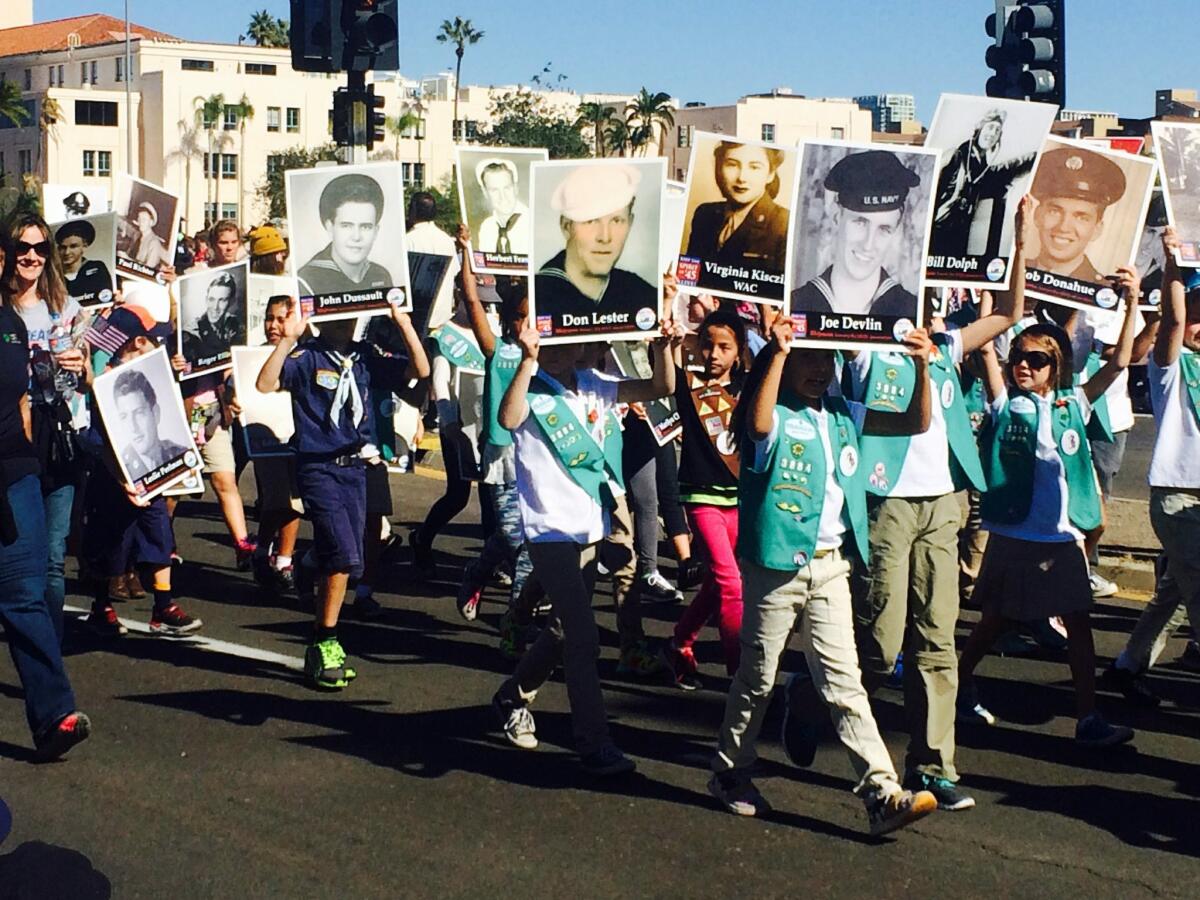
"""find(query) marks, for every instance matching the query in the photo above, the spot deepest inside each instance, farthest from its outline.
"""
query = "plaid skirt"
(1031, 580)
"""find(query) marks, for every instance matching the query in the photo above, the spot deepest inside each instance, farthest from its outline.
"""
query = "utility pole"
(128, 96)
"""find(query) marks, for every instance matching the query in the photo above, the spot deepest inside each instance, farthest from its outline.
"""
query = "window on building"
(293, 119)
(274, 118)
(95, 70)
(231, 118)
(89, 163)
(95, 112)
(83, 73)
(229, 165)
(52, 73)
(458, 131)
(196, 65)
(685, 136)
(104, 163)
(837, 132)
(120, 61)
(29, 79)
(260, 69)
(227, 211)
(25, 160)
(768, 132)
(412, 174)
(2, 169)
(62, 80)
(274, 161)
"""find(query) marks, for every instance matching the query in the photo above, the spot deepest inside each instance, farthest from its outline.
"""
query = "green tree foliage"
(446, 198)
(12, 107)
(267, 31)
(524, 119)
(270, 189)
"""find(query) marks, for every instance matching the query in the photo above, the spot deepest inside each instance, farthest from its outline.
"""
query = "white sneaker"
(1101, 586)
(658, 589)
(517, 724)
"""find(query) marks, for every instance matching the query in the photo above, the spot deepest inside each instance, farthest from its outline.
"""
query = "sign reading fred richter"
(1091, 207)
(348, 250)
(596, 232)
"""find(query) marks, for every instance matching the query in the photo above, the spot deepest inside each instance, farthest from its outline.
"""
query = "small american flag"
(112, 331)
(103, 335)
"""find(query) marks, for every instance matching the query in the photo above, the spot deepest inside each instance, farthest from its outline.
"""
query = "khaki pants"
(619, 555)
(910, 602)
(820, 594)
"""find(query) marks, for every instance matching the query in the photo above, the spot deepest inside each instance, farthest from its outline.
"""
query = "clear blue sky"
(707, 50)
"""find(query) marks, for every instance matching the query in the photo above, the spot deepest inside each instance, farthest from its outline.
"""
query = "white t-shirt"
(926, 470)
(1095, 330)
(833, 525)
(553, 506)
(1047, 520)
(1175, 462)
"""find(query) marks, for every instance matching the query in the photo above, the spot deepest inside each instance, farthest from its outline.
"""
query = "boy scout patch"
(327, 378)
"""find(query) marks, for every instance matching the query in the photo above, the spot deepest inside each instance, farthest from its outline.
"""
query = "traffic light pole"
(356, 152)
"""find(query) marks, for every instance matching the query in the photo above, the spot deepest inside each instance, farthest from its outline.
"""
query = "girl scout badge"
(715, 405)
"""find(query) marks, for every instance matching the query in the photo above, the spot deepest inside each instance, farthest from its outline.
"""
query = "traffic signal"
(345, 35)
(1029, 53)
(376, 120)
(343, 118)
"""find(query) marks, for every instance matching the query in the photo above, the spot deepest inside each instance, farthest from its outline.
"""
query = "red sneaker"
(104, 622)
(682, 662)
(172, 620)
(55, 741)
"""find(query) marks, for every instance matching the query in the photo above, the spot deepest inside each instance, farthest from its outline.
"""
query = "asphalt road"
(215, 774)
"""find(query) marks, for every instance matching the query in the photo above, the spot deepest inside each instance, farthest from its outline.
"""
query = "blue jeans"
(506, 542)
(58, 525)
(32, 640)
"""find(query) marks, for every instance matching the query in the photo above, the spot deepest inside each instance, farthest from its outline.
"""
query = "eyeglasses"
(41, 248)
(1035, 359)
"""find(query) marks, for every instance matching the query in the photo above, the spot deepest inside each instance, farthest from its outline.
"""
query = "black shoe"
(945, 791)
(423, 563)
(800, 732)
(691, 572)
(1132, 685)
(367, 608)
(68, 731)
(608, 760)
(1190, 659)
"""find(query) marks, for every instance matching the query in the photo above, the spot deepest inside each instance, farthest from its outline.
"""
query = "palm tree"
(267, 31)
(616, 135)
(397, 125)
(460, 33)
(48, 119)
(245, 112)
(595, 116)
(210, 111)
(12, 107)
(189, 148)
(647, 113)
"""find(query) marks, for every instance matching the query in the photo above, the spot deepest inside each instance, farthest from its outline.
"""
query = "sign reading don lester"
(596, 233)
(348, 246)
(147, 428)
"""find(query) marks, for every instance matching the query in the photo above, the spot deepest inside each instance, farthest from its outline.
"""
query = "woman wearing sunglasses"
(1042, 496)
(33, 285)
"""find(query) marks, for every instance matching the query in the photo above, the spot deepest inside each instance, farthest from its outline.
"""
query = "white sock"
(282, 562)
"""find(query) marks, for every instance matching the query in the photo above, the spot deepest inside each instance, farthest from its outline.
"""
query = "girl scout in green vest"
(909, 598)
(803, 518)
(1042, 495)
(568, 476)
(502, 356)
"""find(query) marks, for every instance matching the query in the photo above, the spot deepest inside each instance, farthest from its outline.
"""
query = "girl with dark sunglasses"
(1042, 496)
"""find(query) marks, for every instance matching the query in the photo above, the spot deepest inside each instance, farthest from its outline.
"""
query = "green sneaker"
(639, 661)
(514, 637)
(325, 665)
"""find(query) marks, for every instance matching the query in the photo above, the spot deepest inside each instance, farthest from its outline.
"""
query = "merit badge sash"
(714, 406)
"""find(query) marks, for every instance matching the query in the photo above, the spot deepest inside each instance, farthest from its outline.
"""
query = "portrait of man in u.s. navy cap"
(596, 253)
(1074, 188)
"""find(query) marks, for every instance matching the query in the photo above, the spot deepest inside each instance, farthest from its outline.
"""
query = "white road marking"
(212, 644)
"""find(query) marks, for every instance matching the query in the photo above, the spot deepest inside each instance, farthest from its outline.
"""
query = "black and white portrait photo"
(1178, 146)
(259, 290)
(147, 226)
(212, 316)
(1090, 210)
(596, 232)
(493, 195)
(72, 201)
(734, 241)
(347, 239)
(1151, 259)
(989, 152)
(860, 230)
(87, 249)
(142, 412)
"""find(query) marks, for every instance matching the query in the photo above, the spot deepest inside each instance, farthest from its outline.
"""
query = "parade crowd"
(856, 499)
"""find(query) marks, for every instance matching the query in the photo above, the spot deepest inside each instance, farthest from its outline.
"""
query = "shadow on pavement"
(47, 872)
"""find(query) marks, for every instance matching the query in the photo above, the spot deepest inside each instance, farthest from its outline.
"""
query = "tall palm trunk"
(462, 136)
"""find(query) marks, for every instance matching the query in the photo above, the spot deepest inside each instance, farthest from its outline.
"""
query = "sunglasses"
(41, 248)
(1035, 359)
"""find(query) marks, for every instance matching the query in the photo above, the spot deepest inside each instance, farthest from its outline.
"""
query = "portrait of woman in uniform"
(734, 243)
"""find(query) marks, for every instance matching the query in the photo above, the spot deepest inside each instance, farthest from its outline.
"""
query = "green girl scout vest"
(459, 348)
(1189, 367)
(890, 382)
(1010, 448)
(589, 464)
(499, 374)
(1099, 428)
(780, 510)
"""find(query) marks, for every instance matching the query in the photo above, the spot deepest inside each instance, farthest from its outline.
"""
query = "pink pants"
(721, 592)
